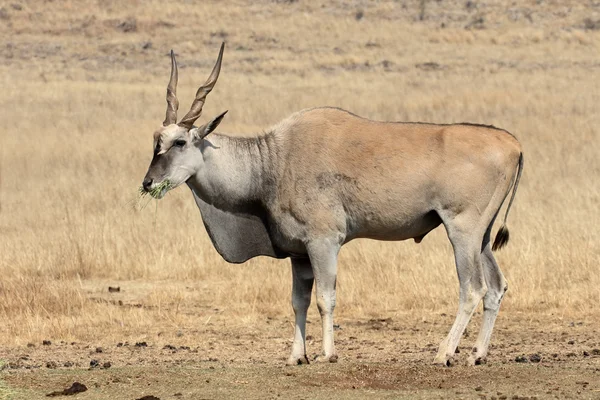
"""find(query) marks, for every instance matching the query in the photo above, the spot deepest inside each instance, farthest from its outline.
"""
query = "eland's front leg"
(302, 284)
(323, 257)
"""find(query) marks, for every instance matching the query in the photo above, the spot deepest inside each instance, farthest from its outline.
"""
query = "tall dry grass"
(81, 97)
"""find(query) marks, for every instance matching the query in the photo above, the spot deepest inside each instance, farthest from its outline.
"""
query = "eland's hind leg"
(497, 286)
(465, 236)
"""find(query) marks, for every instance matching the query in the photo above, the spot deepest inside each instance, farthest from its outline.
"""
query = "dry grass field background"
(83, 87)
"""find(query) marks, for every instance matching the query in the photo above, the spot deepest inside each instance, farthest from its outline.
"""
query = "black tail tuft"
(501, 238)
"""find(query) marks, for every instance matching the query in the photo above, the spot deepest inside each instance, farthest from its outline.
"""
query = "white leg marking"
(323, 257)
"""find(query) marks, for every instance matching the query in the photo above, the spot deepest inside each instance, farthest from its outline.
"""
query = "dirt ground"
(543, 356)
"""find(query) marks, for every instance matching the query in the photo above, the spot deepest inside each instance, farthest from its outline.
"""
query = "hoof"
(326, 359)
(474, 360)
(444, 361)
(297, 361)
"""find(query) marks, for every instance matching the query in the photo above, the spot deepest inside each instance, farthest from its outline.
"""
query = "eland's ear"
(210, 126)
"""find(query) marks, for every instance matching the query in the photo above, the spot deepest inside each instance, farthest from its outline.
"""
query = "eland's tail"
(502, 236)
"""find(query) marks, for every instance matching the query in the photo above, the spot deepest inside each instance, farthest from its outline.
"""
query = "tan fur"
(386, 175)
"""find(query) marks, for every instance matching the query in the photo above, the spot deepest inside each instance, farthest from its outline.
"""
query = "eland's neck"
(237, 171)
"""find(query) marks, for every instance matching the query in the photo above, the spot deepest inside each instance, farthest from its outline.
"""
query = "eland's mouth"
(157, 191)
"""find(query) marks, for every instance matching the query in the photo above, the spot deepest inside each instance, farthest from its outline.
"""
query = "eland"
(323, 177)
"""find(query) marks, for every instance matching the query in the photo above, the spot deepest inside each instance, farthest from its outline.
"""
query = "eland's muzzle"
(147, 184)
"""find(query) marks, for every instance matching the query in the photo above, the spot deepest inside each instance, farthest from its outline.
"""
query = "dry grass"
(81, 97)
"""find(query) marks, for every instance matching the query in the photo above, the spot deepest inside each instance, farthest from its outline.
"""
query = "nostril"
(147, 184)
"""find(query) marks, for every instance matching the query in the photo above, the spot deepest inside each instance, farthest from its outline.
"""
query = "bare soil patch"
(531, 357)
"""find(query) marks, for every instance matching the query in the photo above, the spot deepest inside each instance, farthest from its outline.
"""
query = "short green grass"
(155, 192)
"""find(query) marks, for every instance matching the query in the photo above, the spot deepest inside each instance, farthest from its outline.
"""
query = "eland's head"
(177, 144)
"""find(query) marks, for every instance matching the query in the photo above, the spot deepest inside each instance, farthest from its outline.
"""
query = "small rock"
(148, 398)
(535, 358)
(46, 342)
(147, 45)
(596, 352)
(521, 359)
(94, 363)
(51, 365)
(107, 365)
(571, 342)
(115, 289)
(359, 15)
(478, 389)
(141, 344)
(99, 350)
(30, 345)
(68, 364)
(75, 388)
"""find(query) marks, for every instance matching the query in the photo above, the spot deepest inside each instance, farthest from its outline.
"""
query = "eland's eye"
(180, 143)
